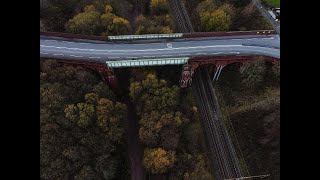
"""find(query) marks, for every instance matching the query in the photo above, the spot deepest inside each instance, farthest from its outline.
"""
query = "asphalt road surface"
(65, 48)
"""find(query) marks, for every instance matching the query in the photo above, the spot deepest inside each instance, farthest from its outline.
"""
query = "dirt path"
(134, 147)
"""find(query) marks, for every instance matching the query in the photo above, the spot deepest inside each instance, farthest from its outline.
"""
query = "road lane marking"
(94, 57)
(114, 57)
(58, 54)
(132, 57)
(51, 40)
(149, 56)
(67, 42)
(75, 56)
(43, 53)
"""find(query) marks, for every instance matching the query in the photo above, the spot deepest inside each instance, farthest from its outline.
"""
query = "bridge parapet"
(73, 36)
(231, 33)
(146, 62)
(146, 36)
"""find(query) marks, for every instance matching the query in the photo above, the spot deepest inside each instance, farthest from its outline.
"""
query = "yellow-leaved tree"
(217, 20)
(158, 160)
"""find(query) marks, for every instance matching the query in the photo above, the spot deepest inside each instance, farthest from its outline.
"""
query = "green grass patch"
(275, 3)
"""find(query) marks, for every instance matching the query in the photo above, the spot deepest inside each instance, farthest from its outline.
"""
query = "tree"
(206, 6)
(159, 6)
(87, 22)
(276, 71)
(108, 9)
(217, 20)
(42, 26)
(72, 144)
(111, 117)
(120, 26)
(92, 22)
(250, 18)
(150, 126)
(106, 23)
(192, 135)
(229, 9)
(83, 114)
(86, 173)
(154, 24)
(252, 74)
(50, 97)
(153, 94)
(169, 138)
(157, 160)
(153, 123)
(199, 171)
(107, 166)
(241, 3)
(54, 16)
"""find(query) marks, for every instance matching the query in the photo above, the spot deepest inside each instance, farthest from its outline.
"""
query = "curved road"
(67, 48)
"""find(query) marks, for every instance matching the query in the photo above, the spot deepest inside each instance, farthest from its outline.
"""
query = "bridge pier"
(186, 76)
(109, 76)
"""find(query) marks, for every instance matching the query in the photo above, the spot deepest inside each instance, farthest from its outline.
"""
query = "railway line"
(223, 156)
(222, 152)
(181, 16)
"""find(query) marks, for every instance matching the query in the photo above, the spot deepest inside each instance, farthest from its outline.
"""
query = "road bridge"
(194, 49)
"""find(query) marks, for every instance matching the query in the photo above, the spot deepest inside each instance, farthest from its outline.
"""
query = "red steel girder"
(225, 60)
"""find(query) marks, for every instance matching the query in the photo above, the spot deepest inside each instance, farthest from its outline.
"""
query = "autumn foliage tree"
(158, 160)
(154, 125)
(154, 25)
(217, 20)
(92, 22)
(154, 94)
(160, 121)
(159, 6)
(87, 22)
(253, 74)
(199, 170)
(105, 114)
(206, 6)
(81, 127)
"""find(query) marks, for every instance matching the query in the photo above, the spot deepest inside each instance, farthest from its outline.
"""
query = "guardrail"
(233, 33)
(146, 36)
(76, 36)
(146, 62)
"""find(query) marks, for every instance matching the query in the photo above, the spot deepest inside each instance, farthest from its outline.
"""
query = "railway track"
(182, 19)
(223, 155)
(222, 152)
